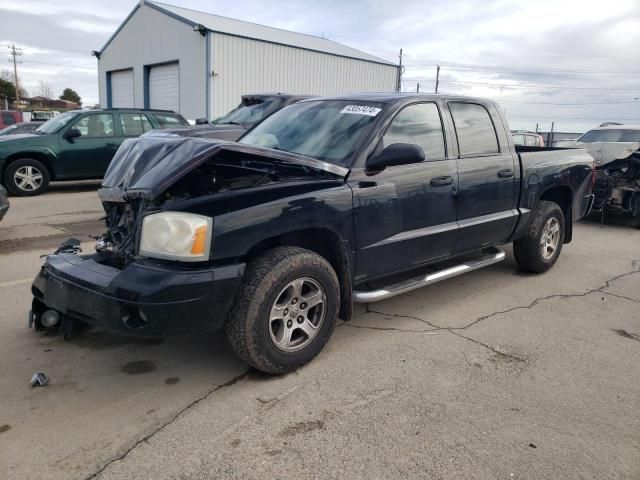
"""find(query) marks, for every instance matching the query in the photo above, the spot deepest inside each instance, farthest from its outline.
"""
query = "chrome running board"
(492, 255)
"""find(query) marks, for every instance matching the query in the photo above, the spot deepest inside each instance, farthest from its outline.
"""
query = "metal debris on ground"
(39, 380)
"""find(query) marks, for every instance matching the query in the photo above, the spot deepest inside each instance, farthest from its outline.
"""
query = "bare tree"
(45, 90)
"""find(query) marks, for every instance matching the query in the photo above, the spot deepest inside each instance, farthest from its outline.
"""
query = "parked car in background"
(22, 127)
(251, 111)
(9, 117)
(611, 133)
(616, 150)
(74, 145)
(527, 139)
(43, 115)
(327, 202)
(4, 202)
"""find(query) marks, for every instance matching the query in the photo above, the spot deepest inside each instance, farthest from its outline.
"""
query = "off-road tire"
(247, 327)
(527, 250)
(13, 167)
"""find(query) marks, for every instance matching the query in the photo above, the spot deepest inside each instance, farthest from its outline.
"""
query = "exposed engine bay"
(617, 187)
(222, 173)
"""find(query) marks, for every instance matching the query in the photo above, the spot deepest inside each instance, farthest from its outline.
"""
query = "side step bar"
(492, 255)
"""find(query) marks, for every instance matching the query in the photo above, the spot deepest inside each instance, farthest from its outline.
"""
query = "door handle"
(441, 181)
(506, 173)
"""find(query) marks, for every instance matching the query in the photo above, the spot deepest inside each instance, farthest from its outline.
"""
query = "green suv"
(75, 145)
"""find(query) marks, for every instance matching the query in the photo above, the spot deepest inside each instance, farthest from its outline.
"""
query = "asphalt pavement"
(496, 374)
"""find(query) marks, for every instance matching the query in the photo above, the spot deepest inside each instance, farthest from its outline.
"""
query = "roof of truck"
(391, 97)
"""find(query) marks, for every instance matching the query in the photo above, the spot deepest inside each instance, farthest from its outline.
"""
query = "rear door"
(487, 174)
(406, 214)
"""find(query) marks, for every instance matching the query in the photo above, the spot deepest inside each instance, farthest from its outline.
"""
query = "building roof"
(240, 28)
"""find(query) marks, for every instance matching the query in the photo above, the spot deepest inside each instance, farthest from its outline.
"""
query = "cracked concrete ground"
(496, 374)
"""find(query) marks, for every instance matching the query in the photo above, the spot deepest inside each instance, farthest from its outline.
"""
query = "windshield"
(56, 123)
(327, 130)
(251, 111)
(610, 135)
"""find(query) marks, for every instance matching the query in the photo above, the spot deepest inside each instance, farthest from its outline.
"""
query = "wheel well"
(41, 157)
(563, 197)
(325, 243)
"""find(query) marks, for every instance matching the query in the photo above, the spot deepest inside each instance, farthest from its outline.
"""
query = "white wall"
(151, 37)
(245, 66)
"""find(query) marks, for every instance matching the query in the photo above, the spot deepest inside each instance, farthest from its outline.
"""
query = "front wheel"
(541, 247)
(26, 177)
(285, 310)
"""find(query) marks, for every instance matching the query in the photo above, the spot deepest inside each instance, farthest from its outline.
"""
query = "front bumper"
(4, 205)
(139, 300)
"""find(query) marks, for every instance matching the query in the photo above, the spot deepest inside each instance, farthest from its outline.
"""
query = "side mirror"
(201, 121)
(72, 133)
(396, 154)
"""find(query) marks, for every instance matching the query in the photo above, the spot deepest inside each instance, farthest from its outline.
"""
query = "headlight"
(176, 236)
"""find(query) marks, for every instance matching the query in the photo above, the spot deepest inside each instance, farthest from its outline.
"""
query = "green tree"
(8, 91)
(71, 95)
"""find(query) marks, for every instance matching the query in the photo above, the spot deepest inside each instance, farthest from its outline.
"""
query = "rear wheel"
(26, 177)
(541, 247)
(285, 311)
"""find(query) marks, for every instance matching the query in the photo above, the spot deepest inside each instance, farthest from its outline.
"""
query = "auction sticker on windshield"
(361, 110)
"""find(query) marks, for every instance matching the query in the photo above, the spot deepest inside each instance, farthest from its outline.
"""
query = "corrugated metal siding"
(249, 66)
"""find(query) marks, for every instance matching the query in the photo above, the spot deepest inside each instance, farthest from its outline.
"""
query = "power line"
(572, 118)
(469, 66)
(543, 87)
(572, 104)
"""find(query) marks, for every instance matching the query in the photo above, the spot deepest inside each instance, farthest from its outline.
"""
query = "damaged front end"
(130, 285)
(617, 184)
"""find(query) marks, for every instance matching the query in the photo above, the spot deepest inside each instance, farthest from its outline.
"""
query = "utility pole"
(399, 85)
(15, 52)
(437, 77)
(418, 87)
(550, 138)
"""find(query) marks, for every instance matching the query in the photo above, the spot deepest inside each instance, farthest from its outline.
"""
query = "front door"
(487, 200)
(405, 215)
(88, 155)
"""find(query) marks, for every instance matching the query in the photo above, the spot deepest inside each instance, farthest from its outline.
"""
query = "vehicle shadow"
(611, 220)
(73, 187)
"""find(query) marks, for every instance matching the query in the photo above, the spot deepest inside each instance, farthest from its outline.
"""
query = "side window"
(474, 128)
(95, 126)
(419, 124)
(518, 139)
(169, 120)
(134, 124)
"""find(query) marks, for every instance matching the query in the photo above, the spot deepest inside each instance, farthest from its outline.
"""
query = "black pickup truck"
(327, 202)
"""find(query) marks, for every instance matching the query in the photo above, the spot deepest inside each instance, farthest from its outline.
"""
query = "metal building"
(198, 64)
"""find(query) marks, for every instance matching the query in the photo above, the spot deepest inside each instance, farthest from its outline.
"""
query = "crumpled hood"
(607, 152)
(144, 167)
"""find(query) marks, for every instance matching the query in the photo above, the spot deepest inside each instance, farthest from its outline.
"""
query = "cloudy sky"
(573, 62)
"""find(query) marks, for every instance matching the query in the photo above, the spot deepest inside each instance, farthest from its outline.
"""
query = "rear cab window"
(419, 124)
(474, 129)
(169, 120)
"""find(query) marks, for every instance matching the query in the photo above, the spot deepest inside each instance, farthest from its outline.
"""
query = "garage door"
(122, 89)
(164, 87)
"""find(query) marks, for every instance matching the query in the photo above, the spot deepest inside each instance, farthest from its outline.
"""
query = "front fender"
(41, 153)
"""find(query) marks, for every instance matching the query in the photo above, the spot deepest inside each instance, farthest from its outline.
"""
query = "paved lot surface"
(493, 375)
